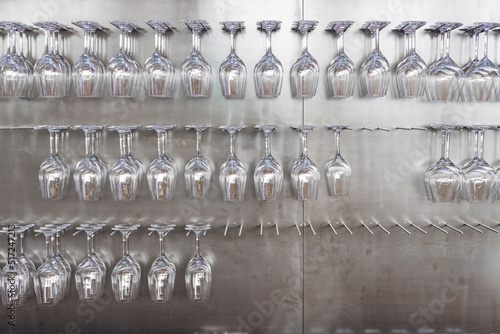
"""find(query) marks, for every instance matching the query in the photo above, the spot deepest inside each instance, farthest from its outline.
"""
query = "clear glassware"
(482, 78)
(444, 77)
(15, 72)
(93, 254)
(126, 275)
(162, 172)
(443, 179)
(268, 173)
(232, 71)
(49, 278)
(54, 173)
(24, 259)
(198, 271)
(479, 184)
(304, 74)
(90, 274)
(14, 277)
(123, 70)
(375, 70)
(338, 170)
(89, 72)
(268, 72)
(305, 174)
(52, 71)
(410, 72)
(161, 276)
(473, 31)
(195, 69)
(91, 173)
(59, 228)
(341, 73)
(29, 87)
(159, 71)
(233, 174)
(198, 171)
(125, 173)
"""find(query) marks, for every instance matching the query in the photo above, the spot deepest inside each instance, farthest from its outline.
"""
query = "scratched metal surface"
(291, 283)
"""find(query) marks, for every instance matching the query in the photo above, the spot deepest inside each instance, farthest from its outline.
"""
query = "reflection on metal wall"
(315, 281)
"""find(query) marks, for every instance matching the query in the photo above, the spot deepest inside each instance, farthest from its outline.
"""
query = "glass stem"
(13, 36)
(123, 144)
(47, 246)
(232, 137)
(337, 141)
(46, 41)
(85, 41)
(340, 42)
(21, 43)
(304, 144)
(304, 41)
(89, 246)
(196, 41)
(57, 239)
(476, 141)
(198, 142)
(88, 143)
(481, 144)
(375, 35)
(232, 41)
(9, 33)
(198, 245)
(129, 143)
(21, 239)
(446, 144)
(164, 45)
(441, 49)
(486, 44)
(412, 42)
(476, 45)
(56, 41)
(92, 43)
(162, 245)
(268, 41)
(125, 244)
(52, 241)
(448, 34)
(267, 136)
(92, 143)
(121, 41)
(161, 143)
(157, 49)
(92, 243)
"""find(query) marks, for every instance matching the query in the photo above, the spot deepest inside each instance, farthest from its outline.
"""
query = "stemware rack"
(382, 260)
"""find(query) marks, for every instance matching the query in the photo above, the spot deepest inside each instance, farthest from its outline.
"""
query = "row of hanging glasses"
(476, 181)
(127, 174)
(51, 281)
(443, 80)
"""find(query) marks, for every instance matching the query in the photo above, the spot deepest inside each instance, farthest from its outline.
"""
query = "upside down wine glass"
(54, 172)
(304, 74)
(162, 172)
(232, 71)
(410, 72)
(59, 228)
(268, 73)
(338, 170)
(126, 275)
(14, 277)
(375, 70)
(341, 73)
(268, 174)
(198, 275)
(232, 177)
(91, 173)
(198, 171)
(25, 260)
(444, 77)
(161, 276)
(305, 173)
(159, 71)
(473, 31)
(443, 179)
(195, 69)
(90, 275)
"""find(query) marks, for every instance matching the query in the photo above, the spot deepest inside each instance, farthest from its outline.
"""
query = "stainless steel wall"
(286, 283)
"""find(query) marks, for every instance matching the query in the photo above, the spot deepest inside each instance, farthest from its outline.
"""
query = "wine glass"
(24, 259)
(232, 71)
(93, 254)
(305, 173)
(268, 73)
(89, 275)
(304, 74)
(54, 173)
(124, 175)
(482, 77)
(444, 77)
(479, 184)
(21, 28)
(198, 271)
(124, 71)
(14, 278)
(375, 70)
(89, 71)
(49, 277)
(161, 276)
(443, 179)
(341, 73)
(410, 72)
(91, 172)
(268, 174)
(15, 72)
(126, 275)
(195, 69)
(52, 71)
(232, 177)
(198, 171)
(162, 172)
(59, 228)
(338, 170)
(159, 71)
